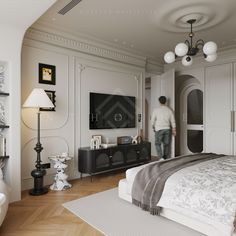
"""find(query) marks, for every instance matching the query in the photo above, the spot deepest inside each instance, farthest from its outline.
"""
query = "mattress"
(131, 173)
(203, 224)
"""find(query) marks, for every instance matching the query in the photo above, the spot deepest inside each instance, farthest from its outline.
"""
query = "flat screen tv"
(109, 111)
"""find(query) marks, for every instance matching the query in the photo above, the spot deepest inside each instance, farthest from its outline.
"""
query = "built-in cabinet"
(3, 112)
(220, 106)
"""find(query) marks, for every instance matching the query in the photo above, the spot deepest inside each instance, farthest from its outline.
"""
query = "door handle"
(232, 121)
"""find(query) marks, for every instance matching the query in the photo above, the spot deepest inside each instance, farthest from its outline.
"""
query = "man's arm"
(174, 131)
(173, 123)
(153, 120)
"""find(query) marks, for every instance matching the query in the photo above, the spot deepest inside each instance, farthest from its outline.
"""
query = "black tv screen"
(109, 111)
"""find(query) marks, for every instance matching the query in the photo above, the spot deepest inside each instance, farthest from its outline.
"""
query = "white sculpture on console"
(60, 180)
(94, 143)
(134, 139)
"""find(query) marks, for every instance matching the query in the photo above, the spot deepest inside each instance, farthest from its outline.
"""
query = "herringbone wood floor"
(45, 216)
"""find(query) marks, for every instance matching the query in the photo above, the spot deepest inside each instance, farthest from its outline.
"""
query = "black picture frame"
(47, 74)
(52, 95)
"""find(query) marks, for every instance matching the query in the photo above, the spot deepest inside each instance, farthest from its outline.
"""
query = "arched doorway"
(190, 119)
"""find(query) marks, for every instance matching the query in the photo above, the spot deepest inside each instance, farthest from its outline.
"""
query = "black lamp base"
(37, 192)
(38, 189)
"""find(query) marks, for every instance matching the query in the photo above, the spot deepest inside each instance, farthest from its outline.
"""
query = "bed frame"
(172, 215)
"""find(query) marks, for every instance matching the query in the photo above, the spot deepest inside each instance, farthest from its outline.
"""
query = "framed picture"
(98, 137)
(52, 96)
(47, 74)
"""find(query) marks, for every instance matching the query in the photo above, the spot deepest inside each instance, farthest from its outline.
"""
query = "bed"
(188, 194)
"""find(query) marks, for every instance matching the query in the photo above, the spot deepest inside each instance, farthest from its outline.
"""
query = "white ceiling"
(147, 27)
(16, 14)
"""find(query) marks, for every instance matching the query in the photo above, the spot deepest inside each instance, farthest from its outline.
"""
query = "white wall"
(52, 123)
(15, 18)
(67, 128)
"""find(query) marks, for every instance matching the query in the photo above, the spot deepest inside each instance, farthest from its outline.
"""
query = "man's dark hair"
(162, 99)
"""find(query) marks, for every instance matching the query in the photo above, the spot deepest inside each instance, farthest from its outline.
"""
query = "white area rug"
(113, 216)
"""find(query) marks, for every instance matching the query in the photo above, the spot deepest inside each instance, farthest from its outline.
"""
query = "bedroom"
(109, 53)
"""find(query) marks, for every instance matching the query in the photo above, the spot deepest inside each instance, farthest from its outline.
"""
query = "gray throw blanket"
(149, 182)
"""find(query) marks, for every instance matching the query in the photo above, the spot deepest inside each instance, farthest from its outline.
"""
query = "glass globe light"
(169, 57)
(211, 58)
(187, 60)
(181, 49)
(210, 48)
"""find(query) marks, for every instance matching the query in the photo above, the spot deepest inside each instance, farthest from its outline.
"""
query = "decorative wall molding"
(58, 118)
(108, 72)
(57, 145)
(85, 47)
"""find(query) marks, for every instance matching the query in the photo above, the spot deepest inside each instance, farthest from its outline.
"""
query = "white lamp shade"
(38, 98)
(169, 57)
(211, 58)
(187, 60)
(181, 49)
(210, 48)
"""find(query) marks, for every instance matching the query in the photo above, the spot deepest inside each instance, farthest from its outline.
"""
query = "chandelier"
(188, 49)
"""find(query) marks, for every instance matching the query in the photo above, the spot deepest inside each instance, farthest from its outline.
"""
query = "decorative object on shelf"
(2, 146)
(140, 136)
(124, 140)
(98, 137)
(2, 113)
(188, 49)
(52, 96)
(94, 143)
(60, 180)
(134, 139)
(2, 78)
(108, 145)
(137, 139)
(38, 98)
(47, 74)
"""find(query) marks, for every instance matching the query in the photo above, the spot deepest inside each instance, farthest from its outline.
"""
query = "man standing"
(163, 123)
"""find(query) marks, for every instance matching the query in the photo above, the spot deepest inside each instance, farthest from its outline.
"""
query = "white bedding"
(192, 192)
(131, 173)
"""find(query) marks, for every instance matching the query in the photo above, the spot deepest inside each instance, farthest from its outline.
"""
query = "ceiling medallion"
(189, 48)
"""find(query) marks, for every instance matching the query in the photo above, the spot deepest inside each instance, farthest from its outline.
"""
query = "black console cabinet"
(95, 161)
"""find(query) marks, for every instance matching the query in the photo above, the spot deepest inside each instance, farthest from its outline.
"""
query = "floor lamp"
(38, 99)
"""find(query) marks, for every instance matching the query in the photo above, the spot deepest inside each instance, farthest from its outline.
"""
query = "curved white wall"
(15, 18)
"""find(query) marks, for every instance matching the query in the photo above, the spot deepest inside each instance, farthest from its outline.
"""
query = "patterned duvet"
(206, 192)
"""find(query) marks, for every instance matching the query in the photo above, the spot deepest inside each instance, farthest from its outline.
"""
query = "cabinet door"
(117, 157)
(218, 107)
(145, 154)
(101, 160)
(132, 153)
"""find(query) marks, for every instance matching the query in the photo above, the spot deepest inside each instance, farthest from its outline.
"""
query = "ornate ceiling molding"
(86, 47)
(173, 16)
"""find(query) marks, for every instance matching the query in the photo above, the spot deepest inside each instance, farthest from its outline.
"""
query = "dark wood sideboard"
(95, 161)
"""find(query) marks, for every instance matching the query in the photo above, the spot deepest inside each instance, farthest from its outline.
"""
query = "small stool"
(60, 180)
